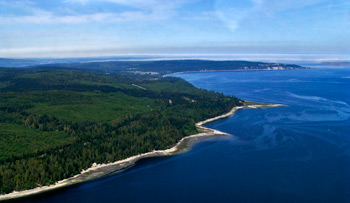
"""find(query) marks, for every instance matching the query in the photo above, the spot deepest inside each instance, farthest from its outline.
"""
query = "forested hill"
(54, 122)
(172, 66)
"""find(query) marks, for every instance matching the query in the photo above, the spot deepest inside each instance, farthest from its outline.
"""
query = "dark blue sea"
(299, 153)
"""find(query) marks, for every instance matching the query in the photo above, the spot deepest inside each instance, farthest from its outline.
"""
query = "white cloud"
(142, 4)
(147, 9)
(274, 6)
(150, 10)
(233, 15)
(153, 4)
(49, 18)
(61, 51)
(77, 1)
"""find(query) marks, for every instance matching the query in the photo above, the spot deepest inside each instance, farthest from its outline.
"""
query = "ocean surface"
(292, 154)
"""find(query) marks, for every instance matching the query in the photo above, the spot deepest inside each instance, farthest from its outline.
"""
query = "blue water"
(295, 154)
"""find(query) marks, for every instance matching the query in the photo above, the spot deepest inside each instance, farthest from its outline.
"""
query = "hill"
(173, 66)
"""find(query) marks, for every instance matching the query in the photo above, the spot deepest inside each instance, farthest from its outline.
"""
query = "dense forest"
(172, 66)
(54, 121)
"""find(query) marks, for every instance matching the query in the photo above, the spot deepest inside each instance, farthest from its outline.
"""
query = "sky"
(86, 28)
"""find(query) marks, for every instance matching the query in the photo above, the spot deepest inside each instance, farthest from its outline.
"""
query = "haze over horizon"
(318, 29)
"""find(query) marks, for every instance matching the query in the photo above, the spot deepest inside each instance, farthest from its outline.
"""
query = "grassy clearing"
(16, 140)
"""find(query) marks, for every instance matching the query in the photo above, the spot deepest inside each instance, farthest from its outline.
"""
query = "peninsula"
(61, 125)
(100, 170)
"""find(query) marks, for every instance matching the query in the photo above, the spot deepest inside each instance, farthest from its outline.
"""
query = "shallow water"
(295, 153)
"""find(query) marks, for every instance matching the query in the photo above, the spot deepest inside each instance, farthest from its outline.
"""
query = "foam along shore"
(99, 170)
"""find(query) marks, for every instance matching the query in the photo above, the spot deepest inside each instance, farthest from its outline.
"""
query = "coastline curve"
(101, 170)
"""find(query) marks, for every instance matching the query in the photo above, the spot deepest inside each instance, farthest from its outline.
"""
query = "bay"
(296, 153)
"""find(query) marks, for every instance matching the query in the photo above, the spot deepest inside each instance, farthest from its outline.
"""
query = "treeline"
(171, 66)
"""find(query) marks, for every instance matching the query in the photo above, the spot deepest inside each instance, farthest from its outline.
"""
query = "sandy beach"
(99, 170)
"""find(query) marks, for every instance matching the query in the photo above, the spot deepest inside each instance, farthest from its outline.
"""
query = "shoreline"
(209, 71)
(100, 170)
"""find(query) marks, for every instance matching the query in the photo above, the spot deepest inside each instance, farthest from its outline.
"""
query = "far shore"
(100, 170)
(233, 70)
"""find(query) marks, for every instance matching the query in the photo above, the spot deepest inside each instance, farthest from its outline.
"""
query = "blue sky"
(75, 28)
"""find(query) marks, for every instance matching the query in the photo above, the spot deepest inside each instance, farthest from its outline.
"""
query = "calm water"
(295, 153)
